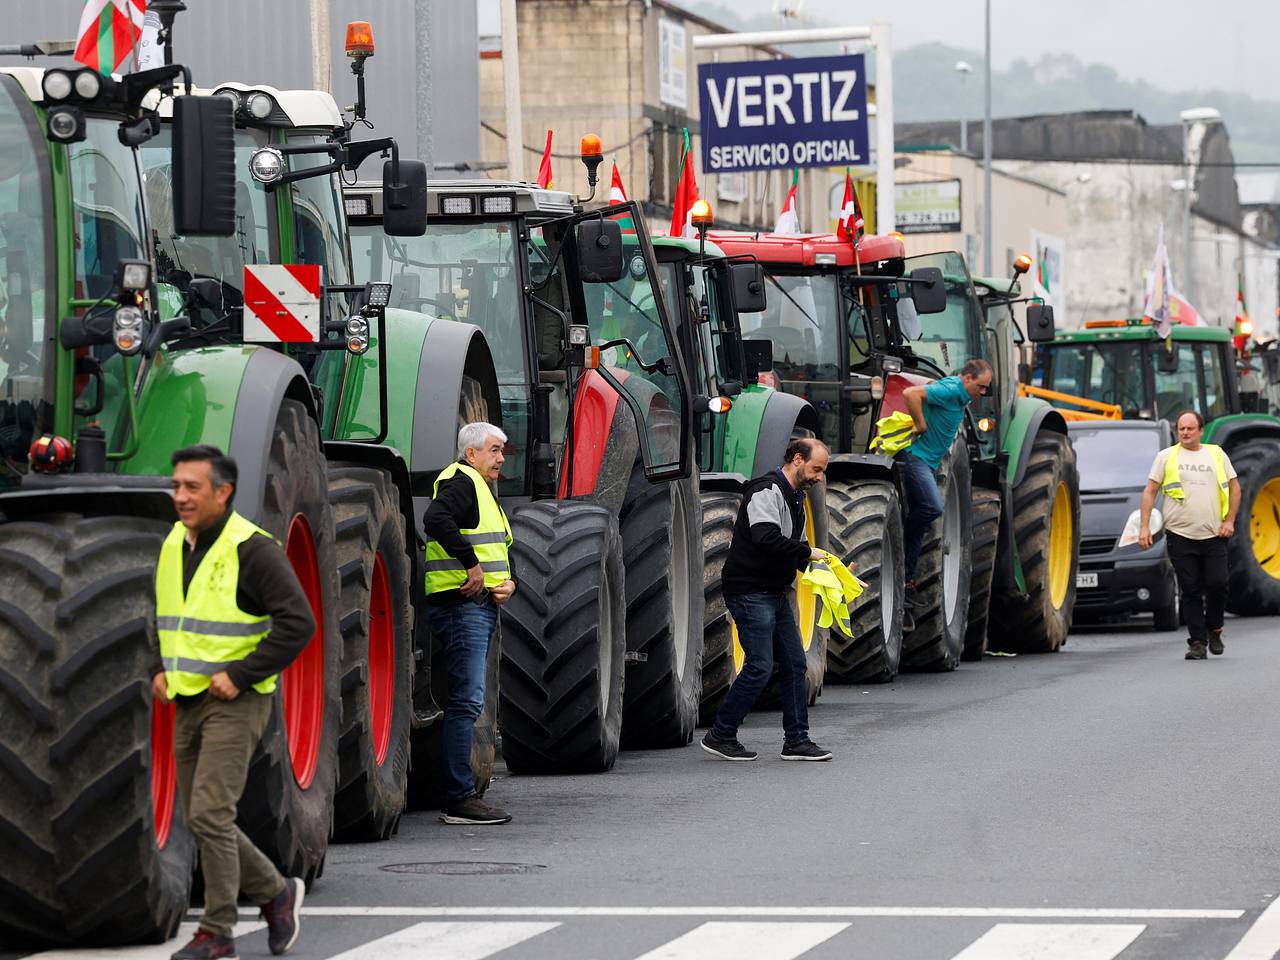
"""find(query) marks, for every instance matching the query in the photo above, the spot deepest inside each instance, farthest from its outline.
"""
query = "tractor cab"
(573, 310)
(1124, 362)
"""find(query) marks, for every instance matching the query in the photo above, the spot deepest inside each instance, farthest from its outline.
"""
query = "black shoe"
(207, 946)
(1215, 642)
(726, 749)
(1195, 651)
(808, 750)
(474, 811)
(284, 915)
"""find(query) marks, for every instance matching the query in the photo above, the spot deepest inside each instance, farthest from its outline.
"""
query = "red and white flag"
(616, 193)
(109, 32)
(544, 168)
(789, 216)
(852, 224)
(686, 194)
(1156, 308)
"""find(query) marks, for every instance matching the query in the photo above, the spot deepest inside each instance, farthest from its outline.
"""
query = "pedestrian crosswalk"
(641, 933)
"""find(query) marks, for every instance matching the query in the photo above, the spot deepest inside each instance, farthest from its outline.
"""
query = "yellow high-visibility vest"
(202, 630)
(894, 434)
(1172, 486)
(490, 538)
(837, 587)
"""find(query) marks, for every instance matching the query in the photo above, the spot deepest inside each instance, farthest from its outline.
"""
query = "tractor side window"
(319, 227)
(26, 291)
(803, 322)
(1215, 391)
(106, 207)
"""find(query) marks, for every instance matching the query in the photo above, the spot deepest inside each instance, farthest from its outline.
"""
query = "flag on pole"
(1040, 288)
(686, 194)
(852, 224)
(544, 168)
(1243, 327)
(789, 218)
(617, 194)
(1156, 309)
(109, 33)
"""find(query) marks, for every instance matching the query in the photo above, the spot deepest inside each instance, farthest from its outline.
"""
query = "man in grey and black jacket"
(769, 548)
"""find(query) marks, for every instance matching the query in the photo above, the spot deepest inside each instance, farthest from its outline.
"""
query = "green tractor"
(706, 292)
(1125, 363)
(850, 333)
(599, 476)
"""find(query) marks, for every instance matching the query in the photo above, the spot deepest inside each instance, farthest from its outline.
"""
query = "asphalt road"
(1111, 800)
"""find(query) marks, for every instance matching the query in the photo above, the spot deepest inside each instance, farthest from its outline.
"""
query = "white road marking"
(746, 941)
(1262, 940)
(155, 951)
(998, 913)
(446, 941)
(1052, 941)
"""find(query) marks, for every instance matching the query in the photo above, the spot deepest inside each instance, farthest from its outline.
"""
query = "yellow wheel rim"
(1264, 527)
(1060, 538)
(806, 604)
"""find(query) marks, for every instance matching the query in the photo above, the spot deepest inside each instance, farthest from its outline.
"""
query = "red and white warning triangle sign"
(282, 303)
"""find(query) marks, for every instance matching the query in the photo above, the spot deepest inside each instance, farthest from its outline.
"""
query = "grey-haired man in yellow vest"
(1201, 500)
(230, 616)
(468, 578)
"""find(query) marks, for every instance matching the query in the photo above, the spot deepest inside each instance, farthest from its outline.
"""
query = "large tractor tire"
(287, 805)
(1253, 554)
(426, 768)
(986, 537)
(663, 556)
(1046, 529)
(865, 530)
(942, 575)
(563, 640)
(93, 849)
(376, 620)
(721, 656)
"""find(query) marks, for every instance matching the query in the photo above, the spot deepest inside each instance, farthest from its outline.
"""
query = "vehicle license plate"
(1086, 580)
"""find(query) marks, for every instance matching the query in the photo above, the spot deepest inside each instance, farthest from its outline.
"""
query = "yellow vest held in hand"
(1172, 486)
(837, 588)
(490, 539)
(894, 434)
(203, 631)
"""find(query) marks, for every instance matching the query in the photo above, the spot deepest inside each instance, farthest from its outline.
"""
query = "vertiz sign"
(778, 114)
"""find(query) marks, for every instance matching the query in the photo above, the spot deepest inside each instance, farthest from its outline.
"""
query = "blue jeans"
(464, 632)
(924, 505)
(768, 633)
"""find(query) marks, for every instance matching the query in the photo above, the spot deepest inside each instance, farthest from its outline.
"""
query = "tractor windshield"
(26, 288)
(106, 209)
(1110, 372)
(951, 337)
(803, 322)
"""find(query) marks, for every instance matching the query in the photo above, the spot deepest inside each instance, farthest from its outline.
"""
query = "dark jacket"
(267, 587)
(769, 544)
(454, 509)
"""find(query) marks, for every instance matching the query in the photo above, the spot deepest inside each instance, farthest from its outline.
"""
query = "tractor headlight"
(65, 124)
(127, 330)
(56, 84)
(258, 106)
(267, 165)
(88, 84)
(357, 326)
(357, 345)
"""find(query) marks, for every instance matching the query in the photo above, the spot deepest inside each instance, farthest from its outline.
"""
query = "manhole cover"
(463, 867)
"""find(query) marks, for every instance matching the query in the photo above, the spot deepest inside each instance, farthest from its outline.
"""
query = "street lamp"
(1205, 115)
(964, 68)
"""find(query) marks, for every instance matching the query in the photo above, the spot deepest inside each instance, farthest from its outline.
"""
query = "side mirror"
(928, 292)
(600, 255)
(404, 204)
(748, 287)
(1167, 358)
(204, 167)
(1039, 322)
(205, 292)
(758, 355)
(730, 388)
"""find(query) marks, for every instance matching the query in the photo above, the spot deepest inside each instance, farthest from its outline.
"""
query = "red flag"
(544, 168)
(789, 217)
(616, 192)
(686, 194)
(109, 32)
(851, 222)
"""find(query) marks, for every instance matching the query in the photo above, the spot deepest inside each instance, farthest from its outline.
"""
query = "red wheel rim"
(304, 678)
(381, 660)
(164, 771)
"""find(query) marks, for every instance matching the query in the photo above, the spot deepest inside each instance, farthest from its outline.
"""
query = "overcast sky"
(1174, 44)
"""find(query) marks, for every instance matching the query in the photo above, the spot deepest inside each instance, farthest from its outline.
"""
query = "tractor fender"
(450, 352)
(862, 466)
(1240, 428)
(606, 443)
(1030, 416)
(783, 413)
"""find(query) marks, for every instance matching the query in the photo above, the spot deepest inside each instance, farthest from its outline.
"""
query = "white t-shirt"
(1197, 515)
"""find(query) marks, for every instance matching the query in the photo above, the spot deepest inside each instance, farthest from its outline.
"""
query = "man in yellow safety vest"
(230, 616)
(1202, 497)
(468, 577)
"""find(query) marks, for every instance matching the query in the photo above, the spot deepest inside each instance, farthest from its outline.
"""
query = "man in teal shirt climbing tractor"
(937, 410)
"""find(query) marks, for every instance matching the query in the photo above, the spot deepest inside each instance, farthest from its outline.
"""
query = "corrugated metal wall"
(269, 41)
